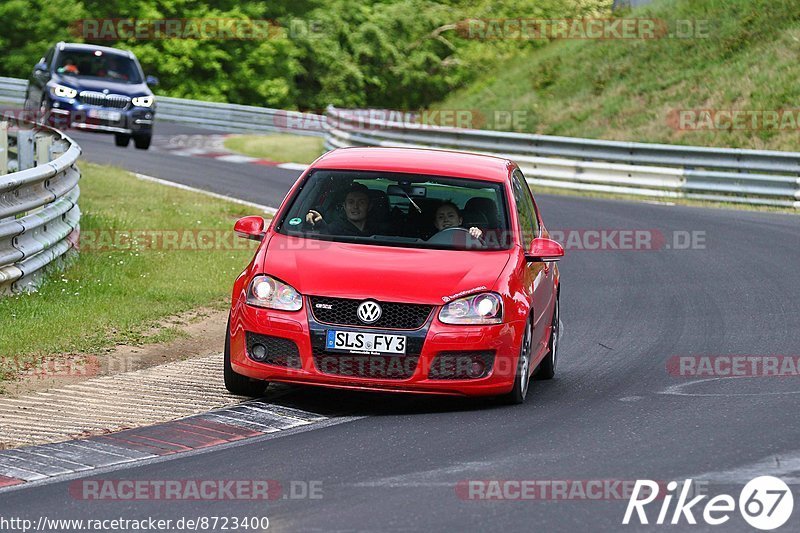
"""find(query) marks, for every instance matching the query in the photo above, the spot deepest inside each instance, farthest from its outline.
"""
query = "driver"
(448, 215)
(356, 207)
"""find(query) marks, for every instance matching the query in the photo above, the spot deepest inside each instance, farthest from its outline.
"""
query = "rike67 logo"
(766, 503)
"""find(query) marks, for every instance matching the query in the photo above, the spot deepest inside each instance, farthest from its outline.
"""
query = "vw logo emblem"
(105, 91)
(369, 312)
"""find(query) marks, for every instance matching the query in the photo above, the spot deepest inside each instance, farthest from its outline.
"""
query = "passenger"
(448, 215)
(356, 208)
(69, 68)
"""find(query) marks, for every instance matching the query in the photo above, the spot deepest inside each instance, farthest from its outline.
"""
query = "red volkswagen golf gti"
(403, 270)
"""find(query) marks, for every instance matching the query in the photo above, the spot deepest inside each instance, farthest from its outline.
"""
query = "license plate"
(103, 114)
(360, 342)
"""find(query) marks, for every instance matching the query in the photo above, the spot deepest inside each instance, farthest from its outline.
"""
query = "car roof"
(93, 47)
(418, 161)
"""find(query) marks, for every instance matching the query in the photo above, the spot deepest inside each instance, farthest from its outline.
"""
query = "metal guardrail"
(228, 117)
(656, 170)
(756, 177)
(238, 118)
(39, 214)
(12, 90)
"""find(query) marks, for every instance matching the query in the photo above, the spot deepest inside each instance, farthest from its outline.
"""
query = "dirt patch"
(200, 333)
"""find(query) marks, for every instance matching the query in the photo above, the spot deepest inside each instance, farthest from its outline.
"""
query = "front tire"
(523, 376)
(122, 139)
(236, 383)
(142, 142)
(547, 368)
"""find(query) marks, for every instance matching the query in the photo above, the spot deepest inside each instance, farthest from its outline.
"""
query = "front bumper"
(426, 343)
(70, 113)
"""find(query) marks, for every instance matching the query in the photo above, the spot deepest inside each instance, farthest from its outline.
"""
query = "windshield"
(97, 64)
(399, 210)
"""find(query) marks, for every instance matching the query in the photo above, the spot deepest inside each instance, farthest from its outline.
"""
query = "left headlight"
(266, 291)
(483, 308)
(63, 91)
(143, 101)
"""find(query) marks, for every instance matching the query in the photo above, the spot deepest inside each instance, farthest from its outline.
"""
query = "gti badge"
(369, 312)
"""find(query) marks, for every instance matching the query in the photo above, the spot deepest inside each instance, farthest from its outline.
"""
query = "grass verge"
(736, 55)
(283, 148)
(148, 252)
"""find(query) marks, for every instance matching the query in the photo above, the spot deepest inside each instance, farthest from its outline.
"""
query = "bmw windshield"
(98, 64)
(392, 209)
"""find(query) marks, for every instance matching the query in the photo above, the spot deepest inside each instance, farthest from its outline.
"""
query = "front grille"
(367, 366)
(459, 365)
(118, 101)
(279, 351)
(394, 316)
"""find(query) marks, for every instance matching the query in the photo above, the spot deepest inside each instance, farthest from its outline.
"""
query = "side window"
(529, 227)
(529, 195)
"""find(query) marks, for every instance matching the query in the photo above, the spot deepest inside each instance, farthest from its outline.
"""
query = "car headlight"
(143, 101)
(266, 291)
(483, 308)
(63, 92)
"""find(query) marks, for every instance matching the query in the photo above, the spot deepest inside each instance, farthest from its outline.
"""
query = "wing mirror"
(40, 70)
(151, 81)
(251, 227)
(544, 250)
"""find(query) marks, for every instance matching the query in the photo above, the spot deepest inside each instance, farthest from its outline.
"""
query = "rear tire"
(522, 376)
(547, 368)
(236, 383)
(142, 142)
(122, 139)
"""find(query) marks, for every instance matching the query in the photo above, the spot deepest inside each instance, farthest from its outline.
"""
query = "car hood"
(94, 84)
(386, 273)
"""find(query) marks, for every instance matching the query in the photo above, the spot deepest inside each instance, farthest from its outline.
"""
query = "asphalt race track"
(614, 412)
(250, 182)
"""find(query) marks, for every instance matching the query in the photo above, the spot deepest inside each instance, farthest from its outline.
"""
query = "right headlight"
(483, 308)
(143, 101)
(266, 291)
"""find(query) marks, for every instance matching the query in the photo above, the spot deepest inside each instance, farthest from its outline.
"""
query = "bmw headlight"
(483, 308)
(143, 101)
(63, 91)
(266, 291)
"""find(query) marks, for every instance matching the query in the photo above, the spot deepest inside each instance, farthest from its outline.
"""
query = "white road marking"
(677, 390)
(264, 208)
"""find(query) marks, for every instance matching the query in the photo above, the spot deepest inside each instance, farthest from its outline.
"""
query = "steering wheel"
(442, 237)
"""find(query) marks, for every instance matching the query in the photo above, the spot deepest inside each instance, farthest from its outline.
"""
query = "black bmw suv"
(94, 88)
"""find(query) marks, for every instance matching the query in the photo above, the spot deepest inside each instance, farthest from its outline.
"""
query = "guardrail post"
(58, 148)
(42, 142)
(25, 149)
(3, 148)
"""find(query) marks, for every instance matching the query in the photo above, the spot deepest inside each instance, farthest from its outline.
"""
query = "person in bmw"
(93, 88)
